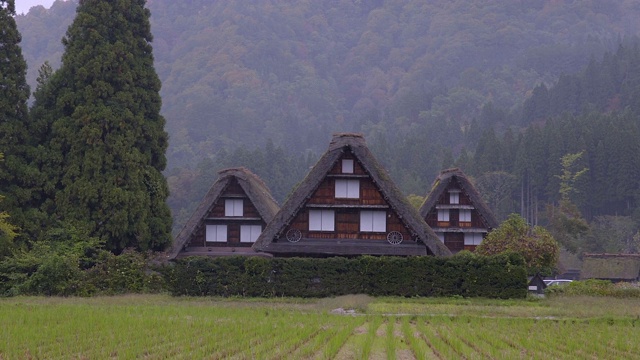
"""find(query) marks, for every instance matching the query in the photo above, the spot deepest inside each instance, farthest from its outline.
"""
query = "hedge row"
(467, 275)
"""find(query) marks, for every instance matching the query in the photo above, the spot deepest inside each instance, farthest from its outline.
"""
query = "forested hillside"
(430, 84)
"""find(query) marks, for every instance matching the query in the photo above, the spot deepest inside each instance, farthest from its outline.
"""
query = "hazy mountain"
(235, 74)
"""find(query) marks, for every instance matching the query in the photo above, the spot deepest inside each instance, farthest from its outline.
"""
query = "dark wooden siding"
(454, 241)
(216, 217)
(347, 226)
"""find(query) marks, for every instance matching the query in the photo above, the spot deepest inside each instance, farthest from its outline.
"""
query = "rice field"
(162, 327)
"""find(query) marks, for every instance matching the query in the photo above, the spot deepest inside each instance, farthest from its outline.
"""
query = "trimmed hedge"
(467, 275)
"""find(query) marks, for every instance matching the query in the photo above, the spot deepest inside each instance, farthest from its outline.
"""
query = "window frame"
(370, 221)
(326, 218)
(231, 208)
(347, 189)
(473, 241)
(466, 212)
(454, 197)
(216, 229)
(442, 213)
(251, 229)
(347, 166)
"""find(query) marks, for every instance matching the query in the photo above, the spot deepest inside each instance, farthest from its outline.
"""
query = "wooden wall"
(232, 191)
(347, 220)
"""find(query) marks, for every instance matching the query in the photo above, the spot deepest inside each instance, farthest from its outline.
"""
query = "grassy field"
(162, 327)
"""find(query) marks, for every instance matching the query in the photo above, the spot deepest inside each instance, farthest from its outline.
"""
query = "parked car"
(552, 282)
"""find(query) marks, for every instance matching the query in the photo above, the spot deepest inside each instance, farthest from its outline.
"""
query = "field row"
(64, 331)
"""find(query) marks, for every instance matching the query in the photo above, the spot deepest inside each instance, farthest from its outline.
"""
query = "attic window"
(233, 207)
(216, 233)
(347, 166)
(454, 196)
(347, 189)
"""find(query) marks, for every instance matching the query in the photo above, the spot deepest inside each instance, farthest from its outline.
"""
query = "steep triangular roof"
(253, 186)
(356, 144)
(440, 185)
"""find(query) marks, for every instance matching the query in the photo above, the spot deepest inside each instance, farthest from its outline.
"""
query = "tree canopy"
(536, 245)
(107, 143)
(14, 130)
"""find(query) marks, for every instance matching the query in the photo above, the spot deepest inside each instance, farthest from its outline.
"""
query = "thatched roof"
(611, 267)
(253, 186)
(440, 185)
(356, 144)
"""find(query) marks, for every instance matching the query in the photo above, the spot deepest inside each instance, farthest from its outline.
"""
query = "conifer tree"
(107, 132)
(14, 93)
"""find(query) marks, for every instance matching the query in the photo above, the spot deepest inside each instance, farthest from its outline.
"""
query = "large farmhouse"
(229, 219)
(347, 205)
(456, 212)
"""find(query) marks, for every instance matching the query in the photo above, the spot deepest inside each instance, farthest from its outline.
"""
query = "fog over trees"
(503, 89)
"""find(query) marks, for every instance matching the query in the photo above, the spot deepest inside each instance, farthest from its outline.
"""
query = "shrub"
(594, 287)
(468, 275)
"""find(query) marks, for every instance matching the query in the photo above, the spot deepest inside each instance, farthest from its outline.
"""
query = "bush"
(66, 268)
(593, 287)
(468, 275)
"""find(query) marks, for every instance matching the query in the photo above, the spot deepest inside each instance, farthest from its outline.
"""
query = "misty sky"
(23, 6)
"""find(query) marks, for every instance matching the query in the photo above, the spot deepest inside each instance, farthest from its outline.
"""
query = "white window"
(443, 214)
(347, 166)
(454, 197)
(465, 215)
(349, 189)
(321, 220)
(216, 233)
(440, 236)
(373, 221)
(472, 238)
(250, 233)
(233, 207)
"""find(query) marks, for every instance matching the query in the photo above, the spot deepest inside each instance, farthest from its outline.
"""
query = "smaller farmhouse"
(229, 219)
(348, 206)
(614, 267)
(456, 212)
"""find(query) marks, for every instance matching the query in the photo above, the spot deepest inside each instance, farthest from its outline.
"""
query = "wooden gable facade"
(456, 212)
(229, 219)
(348, 206)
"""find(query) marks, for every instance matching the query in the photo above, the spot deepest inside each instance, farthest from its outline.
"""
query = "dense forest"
(522, 95)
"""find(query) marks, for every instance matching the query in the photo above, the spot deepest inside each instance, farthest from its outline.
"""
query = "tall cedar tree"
(14, 93)
(107, 133)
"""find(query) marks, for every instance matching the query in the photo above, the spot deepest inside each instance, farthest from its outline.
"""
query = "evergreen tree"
(107, 129)
(14, 134)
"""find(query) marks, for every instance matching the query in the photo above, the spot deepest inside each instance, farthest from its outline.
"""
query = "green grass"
(159, 327)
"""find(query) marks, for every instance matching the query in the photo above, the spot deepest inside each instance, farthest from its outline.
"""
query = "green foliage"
(569, 228)
(8, 231)
(594, 287)
(14, 129)
(570, 175)
(67, 262)
(104, 153)
(465, 275)
(415, 200)
(536, 245)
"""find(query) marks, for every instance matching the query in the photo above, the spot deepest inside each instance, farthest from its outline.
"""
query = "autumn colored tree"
(536, 245)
